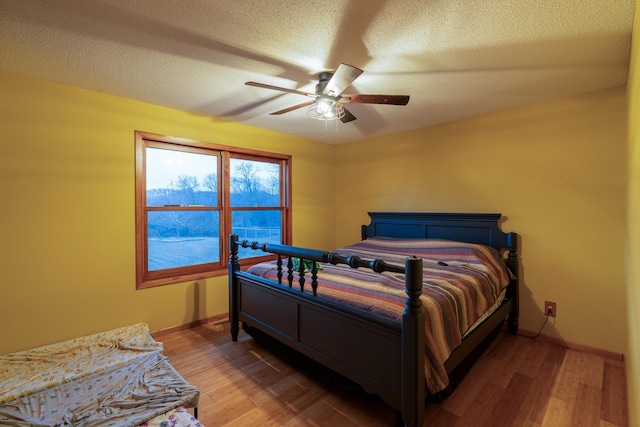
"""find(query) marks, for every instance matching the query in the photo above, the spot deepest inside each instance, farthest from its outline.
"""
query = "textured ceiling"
(455, 59)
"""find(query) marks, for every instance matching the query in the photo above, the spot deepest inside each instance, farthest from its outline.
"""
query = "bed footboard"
(382, 356)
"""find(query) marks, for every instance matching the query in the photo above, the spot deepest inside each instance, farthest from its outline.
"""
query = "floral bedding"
(113, 378)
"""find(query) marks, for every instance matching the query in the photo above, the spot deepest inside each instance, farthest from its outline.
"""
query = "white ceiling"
(456, 59)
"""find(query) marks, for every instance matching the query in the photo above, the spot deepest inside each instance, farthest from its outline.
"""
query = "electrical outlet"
(550, 308)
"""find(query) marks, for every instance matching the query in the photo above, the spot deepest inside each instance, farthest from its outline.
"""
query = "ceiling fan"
(329, 99)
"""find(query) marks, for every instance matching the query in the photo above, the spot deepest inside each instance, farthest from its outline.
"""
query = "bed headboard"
(478, 228)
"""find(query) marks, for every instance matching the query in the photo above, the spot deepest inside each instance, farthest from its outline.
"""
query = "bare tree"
(273, 182)
(244, 178)
(211, 182)
(187, 186)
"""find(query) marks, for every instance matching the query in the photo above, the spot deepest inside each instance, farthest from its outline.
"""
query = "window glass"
(182, 238)
(181, 178)
(263, 226)
(254, 183)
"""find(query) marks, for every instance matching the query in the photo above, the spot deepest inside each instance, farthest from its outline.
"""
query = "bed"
(113, 378)
(385, 356)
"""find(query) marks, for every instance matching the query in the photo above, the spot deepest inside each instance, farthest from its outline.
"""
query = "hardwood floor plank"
(518, 382)
(441, 417)
(586, 410)
(557, 413)
(614, 407)
(510, 408)
(551, 357)
(358, 409)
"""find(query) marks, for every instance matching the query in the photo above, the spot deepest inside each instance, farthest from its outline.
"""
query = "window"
(190, 195)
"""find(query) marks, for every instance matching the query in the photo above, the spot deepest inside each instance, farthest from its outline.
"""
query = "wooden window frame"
(147, 279)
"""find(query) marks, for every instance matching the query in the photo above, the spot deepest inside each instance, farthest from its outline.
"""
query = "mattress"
(118, 377)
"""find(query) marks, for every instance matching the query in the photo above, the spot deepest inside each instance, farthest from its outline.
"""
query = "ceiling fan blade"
(281, 89)
(348, 117)
(375, 99)
(295, 107)
(342, 78)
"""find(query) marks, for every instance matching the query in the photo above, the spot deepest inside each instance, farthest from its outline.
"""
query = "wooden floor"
(517, 382)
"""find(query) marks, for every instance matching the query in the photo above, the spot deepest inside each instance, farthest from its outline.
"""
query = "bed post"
(234, 265)
(413, 342)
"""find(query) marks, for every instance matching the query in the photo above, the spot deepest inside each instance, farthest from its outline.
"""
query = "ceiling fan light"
(326, 109)
(325, 105)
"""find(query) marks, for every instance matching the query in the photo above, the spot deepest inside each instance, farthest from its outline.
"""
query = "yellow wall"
(633, 239)
(556, 170)
(67, 258)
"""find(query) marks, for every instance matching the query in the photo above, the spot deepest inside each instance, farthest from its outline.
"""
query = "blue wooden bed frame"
(343, 338)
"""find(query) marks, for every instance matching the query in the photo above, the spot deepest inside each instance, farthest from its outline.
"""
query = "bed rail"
(311, 255)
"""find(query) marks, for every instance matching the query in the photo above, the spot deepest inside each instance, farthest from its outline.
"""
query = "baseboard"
(572, 346)
(217, 319)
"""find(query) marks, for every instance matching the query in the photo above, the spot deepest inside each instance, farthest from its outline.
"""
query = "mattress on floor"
(118, 377)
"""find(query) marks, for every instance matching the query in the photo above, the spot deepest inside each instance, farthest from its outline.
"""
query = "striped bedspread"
(461, 282)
